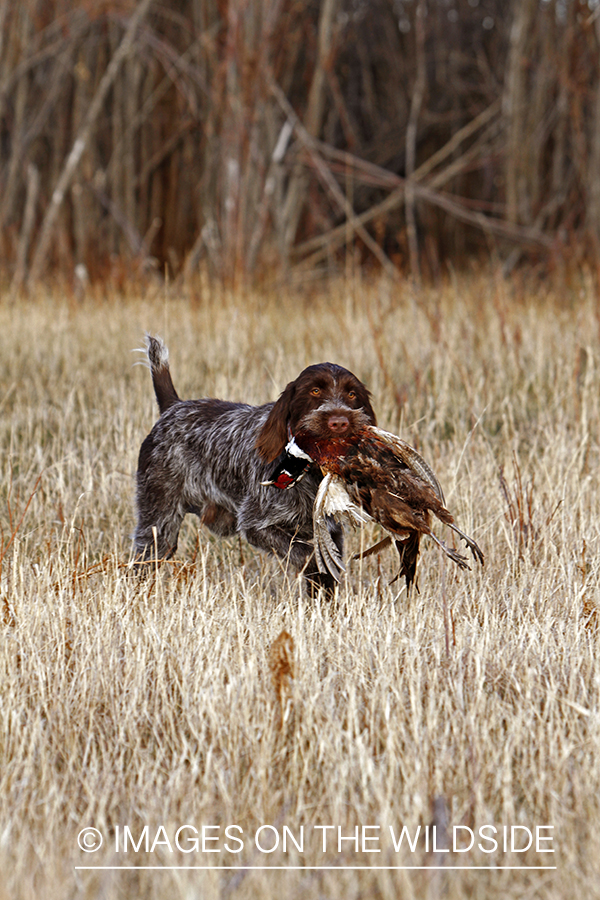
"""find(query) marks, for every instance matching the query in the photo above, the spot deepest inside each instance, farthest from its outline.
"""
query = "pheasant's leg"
(454, 555)
(473, 547)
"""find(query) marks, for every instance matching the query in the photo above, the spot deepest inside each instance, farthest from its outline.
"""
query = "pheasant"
(372, 476)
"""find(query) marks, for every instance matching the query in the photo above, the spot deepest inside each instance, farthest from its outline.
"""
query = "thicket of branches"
(242, 135)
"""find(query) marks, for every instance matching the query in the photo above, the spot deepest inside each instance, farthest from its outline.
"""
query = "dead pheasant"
(374, 476)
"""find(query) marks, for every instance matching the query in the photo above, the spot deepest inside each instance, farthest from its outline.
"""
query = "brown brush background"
(152, 137)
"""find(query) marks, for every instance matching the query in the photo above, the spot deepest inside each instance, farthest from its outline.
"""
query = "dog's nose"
(338, 424)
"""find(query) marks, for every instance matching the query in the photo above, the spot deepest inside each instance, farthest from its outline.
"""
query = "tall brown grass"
(473, 702)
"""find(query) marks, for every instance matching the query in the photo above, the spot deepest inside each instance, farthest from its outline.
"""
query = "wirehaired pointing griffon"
(215, 458)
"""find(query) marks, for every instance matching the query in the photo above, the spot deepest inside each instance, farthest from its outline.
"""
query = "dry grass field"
(472, 703)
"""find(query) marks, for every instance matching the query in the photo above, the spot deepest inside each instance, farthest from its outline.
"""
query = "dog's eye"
(351, 395)
(315, 392)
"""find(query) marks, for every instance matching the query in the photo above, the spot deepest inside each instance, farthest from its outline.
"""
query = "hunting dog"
(212, 458)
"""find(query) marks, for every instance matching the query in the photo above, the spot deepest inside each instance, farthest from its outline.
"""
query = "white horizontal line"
(332, 868)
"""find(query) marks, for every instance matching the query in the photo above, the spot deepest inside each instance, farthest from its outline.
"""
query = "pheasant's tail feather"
(327, 554)
(333, 501)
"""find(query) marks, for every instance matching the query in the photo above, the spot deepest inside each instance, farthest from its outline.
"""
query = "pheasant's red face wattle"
(330, 451)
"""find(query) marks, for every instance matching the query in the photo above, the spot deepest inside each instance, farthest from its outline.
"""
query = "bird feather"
(384, 473)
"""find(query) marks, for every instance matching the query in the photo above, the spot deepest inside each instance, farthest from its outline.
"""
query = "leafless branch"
(411, 139)
(72, 162)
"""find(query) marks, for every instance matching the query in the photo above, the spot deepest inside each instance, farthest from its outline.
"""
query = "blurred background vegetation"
(245, 137)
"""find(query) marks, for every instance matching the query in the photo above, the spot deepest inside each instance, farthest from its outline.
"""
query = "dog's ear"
(273, 436)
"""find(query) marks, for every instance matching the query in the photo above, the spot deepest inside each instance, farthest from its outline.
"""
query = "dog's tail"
(158, 357)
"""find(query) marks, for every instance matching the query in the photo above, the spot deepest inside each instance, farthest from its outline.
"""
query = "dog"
(214, 458)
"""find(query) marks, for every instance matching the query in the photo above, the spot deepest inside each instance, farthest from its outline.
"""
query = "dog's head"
(325, 401)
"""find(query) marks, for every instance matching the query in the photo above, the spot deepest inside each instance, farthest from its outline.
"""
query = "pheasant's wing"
(333, 501)
(417, 464)
(409, 456)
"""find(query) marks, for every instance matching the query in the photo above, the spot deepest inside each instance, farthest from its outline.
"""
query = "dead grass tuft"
(281, 665)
